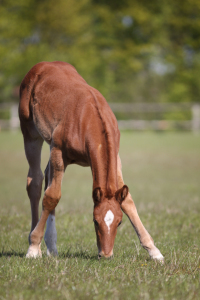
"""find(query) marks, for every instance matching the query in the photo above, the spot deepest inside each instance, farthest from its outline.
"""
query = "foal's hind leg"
(130, 210)
(50, 236)
(33, 146)
(51, 198)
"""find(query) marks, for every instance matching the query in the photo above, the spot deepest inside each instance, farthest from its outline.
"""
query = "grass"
(163, 174)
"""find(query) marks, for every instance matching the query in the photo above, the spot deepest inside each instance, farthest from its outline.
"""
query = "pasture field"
(162, 171)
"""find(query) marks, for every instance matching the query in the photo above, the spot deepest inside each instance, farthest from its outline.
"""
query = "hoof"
(51, 252)
(156, 255)
(34, 252)
(159, 258)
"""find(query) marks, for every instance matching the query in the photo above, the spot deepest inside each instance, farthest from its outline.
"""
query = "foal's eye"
(119, 223)
(96, 223)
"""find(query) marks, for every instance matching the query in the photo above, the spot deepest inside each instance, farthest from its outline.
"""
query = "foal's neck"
(103, 161)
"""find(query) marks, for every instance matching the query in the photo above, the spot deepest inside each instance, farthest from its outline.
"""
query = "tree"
(130, 50)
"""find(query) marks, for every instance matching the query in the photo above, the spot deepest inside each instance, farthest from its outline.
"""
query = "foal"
(59, 107)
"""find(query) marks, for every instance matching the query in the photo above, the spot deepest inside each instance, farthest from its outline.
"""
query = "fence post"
(14, 119)
(196, 118)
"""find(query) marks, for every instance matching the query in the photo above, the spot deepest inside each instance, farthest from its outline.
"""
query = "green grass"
(162, 171)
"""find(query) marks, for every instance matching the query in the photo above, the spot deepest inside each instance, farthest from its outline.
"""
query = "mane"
(110, 158)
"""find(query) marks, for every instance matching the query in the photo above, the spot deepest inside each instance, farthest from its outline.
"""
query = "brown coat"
(58, 106)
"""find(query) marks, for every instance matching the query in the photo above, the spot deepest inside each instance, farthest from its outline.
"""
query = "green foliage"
(162, 172)
(130, 50)
(4, 114)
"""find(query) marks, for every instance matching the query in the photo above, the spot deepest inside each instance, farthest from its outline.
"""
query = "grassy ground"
(163, 174)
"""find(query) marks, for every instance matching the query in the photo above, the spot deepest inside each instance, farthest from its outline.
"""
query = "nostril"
(107, 256)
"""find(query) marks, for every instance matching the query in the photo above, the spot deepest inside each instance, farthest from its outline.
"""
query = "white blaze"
(109, 217)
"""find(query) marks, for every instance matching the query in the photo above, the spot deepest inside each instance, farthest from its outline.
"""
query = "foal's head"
(107, 217)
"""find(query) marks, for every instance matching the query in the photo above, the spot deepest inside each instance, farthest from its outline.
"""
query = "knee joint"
(50, 199)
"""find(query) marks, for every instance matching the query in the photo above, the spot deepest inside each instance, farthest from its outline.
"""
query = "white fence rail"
(193, 124)
(13, 122)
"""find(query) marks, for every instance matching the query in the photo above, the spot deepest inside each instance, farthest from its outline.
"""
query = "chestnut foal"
(58, 106)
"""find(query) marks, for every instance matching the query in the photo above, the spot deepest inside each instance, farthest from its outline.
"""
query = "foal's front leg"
(51, 198)
(50, 236)
(130, 210)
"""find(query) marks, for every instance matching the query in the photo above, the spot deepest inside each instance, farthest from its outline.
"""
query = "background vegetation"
(131, 50)
(162, 172)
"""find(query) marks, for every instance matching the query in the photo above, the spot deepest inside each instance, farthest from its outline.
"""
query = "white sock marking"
(109, 217)
(155, 254)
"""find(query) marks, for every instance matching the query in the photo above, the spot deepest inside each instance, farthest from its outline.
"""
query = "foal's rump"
(50, 93)
(53, 95)
(47, 75)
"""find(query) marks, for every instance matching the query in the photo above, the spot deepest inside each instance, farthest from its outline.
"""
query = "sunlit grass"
(163, 174)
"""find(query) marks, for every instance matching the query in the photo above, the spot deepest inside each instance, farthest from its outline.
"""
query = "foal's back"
(59, 102)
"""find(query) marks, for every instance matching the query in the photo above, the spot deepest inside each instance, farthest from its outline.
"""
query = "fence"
(193, 124)
(13, 121)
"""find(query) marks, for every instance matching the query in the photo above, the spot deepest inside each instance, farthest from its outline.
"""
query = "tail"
(26, 89)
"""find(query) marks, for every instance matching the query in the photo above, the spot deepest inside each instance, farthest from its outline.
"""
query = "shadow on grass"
(77, 254)
(12, 253)
(68, 254)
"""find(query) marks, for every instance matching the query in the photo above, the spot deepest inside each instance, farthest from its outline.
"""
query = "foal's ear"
(97, 195)
(121, 194)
